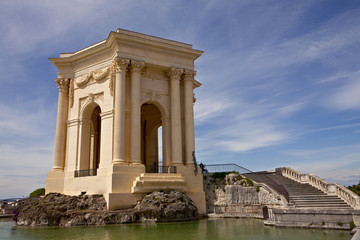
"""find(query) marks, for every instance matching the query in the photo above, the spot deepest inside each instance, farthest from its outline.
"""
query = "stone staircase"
(149, 182)
(300, 195)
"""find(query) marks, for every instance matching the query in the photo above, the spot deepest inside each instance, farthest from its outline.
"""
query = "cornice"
(127, 38)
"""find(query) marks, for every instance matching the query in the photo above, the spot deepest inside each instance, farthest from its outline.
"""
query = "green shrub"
(323, 223)
(38, 192)
(219, 175)
(257, 189)
(339, 224)
(239, 177)
(249, 182)
(352, 225)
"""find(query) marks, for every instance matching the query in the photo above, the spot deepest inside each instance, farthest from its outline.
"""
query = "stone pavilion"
(113, 97)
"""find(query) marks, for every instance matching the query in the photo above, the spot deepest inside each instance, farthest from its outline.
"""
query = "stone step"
(302, 195)
(323, 206)
(319, 201)
(149, 182)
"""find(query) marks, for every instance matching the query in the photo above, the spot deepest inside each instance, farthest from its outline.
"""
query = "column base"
(119, 162)
(57, 169)
(136, 163)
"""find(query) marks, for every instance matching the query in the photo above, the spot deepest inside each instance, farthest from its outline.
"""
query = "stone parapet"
(331, 188)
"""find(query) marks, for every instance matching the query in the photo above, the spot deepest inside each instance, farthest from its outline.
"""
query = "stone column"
(189, 115)
(120, 66)
(61, 126)
(176, 140)
(135, 128)
(166, 140)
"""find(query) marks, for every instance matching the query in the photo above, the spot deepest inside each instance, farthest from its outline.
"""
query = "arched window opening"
(90, 135)
(95, 134)
(151, 140)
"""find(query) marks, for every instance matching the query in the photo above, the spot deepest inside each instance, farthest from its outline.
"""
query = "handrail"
(331, 188)
(228, 167)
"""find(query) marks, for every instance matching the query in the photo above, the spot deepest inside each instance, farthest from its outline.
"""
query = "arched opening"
(90, 135)
(150, 148)
(95, 134)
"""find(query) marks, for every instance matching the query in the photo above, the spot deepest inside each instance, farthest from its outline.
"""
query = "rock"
(165, 207)
(63, 210)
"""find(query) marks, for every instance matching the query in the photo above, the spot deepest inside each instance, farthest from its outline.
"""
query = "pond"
(215, 229)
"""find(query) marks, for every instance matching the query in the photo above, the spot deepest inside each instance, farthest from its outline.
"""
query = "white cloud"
(347, 96)
(339, 164)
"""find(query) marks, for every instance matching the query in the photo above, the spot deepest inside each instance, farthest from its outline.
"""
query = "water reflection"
(214, 229)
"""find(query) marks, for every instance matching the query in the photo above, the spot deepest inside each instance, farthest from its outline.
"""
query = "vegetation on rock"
(38, 192)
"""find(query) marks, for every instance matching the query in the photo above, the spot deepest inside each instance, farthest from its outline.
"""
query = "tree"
(355, 188)
(38, 192)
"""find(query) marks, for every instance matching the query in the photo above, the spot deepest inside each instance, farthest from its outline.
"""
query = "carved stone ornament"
(91, 98)
(137, 66)
(63, 84)
(153, 96)
(175, 73)
(71, 93)
(97, 75)
(189, 75)
(120, 64)
(111, 82)
(83, 80)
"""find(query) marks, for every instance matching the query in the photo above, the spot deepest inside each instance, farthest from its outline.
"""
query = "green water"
(214, 229)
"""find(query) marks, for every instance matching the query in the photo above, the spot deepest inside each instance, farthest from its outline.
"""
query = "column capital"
(189, 75)
(121, 64)
(63, 84)
(175, 73)
(137, 66)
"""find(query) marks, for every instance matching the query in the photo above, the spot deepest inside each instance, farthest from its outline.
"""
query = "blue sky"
(281, 79)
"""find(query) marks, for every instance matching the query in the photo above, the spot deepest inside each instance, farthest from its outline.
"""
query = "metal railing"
(229, 167)
(156, 168)
(85, 173)
(232, 167)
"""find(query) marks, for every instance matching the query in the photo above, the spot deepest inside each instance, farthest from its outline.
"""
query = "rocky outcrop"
(58, 209)
(233, 193)
(166, 207)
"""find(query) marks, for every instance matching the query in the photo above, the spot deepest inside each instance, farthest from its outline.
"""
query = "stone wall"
(311, 218)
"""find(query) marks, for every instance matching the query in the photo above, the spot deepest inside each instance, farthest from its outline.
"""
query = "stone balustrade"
(331, 188)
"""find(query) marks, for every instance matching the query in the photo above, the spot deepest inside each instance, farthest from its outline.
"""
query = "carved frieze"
(155, 74)
(96, 75)
(152, 96)
(99, 75)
